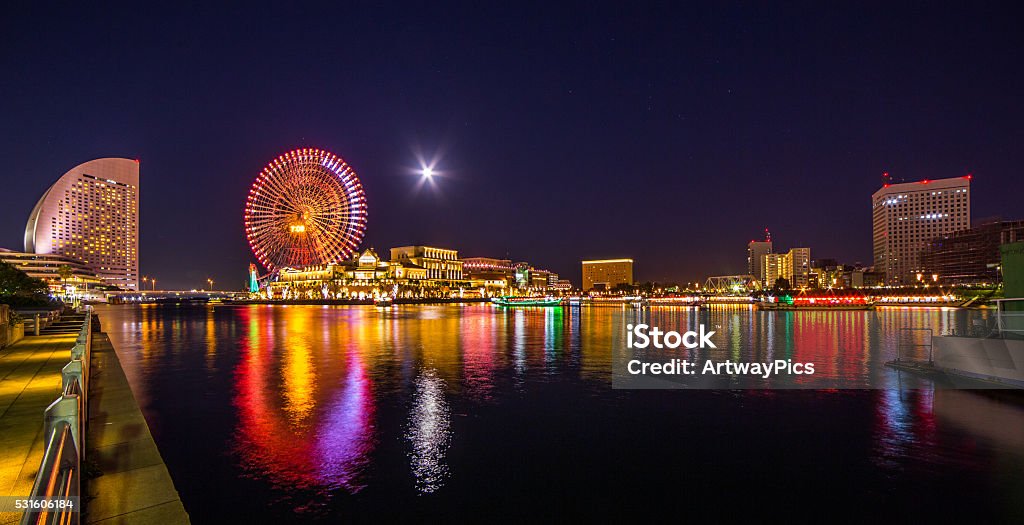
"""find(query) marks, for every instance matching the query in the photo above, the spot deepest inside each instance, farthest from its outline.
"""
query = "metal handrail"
(59, 475)
(59, 478)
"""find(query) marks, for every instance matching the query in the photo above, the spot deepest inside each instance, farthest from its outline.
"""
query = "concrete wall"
(9, 333)
(999, 360)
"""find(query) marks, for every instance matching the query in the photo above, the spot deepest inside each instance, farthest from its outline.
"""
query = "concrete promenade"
(135, 487)
(29, 382)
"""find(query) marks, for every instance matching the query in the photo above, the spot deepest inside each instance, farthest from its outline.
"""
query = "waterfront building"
(833, 276)
(440, 263)
(497, 274)
(827, 273)
(79, 281)
(797, 263)
(488, 268)
(519, 276)
(794, 266)
(91, 215)
(969, 256)
(906, 217)
(772, 269)
(605, 274)
(367, 276)
(866, 278)
(363, 276)
(756, 252)
(539, 279)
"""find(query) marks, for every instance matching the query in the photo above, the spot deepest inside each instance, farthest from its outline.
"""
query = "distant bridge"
(732, 284)
(158, 296)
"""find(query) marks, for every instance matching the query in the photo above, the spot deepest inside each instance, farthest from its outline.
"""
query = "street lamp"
(211, 284)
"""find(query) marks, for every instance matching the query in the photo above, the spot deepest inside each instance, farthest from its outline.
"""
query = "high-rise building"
(440, 263)
(907, 216)
(797, 262)
(756, 250)
(91, 214)
(773, 267)
(794, 266)
(606, 273)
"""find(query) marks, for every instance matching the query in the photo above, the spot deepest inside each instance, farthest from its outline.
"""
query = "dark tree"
(781, 284)
(17, 283)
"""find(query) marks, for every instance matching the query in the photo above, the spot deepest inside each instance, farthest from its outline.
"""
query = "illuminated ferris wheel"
(306, 207)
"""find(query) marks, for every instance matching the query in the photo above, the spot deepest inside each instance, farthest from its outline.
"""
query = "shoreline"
(354, 302)
(135, 484)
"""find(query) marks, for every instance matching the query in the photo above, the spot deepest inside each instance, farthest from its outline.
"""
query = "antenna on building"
(886, 179)
(767, 235)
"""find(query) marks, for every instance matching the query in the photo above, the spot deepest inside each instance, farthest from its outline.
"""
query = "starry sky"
(672, 134)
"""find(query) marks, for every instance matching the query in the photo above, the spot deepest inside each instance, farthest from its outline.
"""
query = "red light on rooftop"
(968, 176)
(926, 181)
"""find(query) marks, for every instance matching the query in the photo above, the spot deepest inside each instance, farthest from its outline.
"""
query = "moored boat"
(829, 303)
(809, 306)
(527, 301)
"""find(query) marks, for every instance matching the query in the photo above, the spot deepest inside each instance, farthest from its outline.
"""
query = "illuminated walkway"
(29, 382)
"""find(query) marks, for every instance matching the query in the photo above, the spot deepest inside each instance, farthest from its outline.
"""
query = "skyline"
(535, 134)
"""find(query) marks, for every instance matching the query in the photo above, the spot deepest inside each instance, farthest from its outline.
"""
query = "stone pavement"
(135, 487)
(29, 382)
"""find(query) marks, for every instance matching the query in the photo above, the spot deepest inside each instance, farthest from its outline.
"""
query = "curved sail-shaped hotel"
(91, 214)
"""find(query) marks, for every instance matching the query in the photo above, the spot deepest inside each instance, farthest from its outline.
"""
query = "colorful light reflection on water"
(337, 412)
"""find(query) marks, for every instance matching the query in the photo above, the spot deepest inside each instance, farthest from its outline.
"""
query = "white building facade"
(91, 214)
(907, 216)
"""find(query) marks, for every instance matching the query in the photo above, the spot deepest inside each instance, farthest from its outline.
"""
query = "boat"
(828, 303)
(527, 301)
(637, 302)
(577, 301)
(809, 306)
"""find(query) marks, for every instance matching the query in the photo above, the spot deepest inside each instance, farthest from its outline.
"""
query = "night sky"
(672, 135)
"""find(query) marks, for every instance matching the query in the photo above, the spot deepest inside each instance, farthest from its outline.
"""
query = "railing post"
(78, 351)
(72, 372)
(87, 331)
(36, 327)
(75, 370)
(999, 318)
(64, 408)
